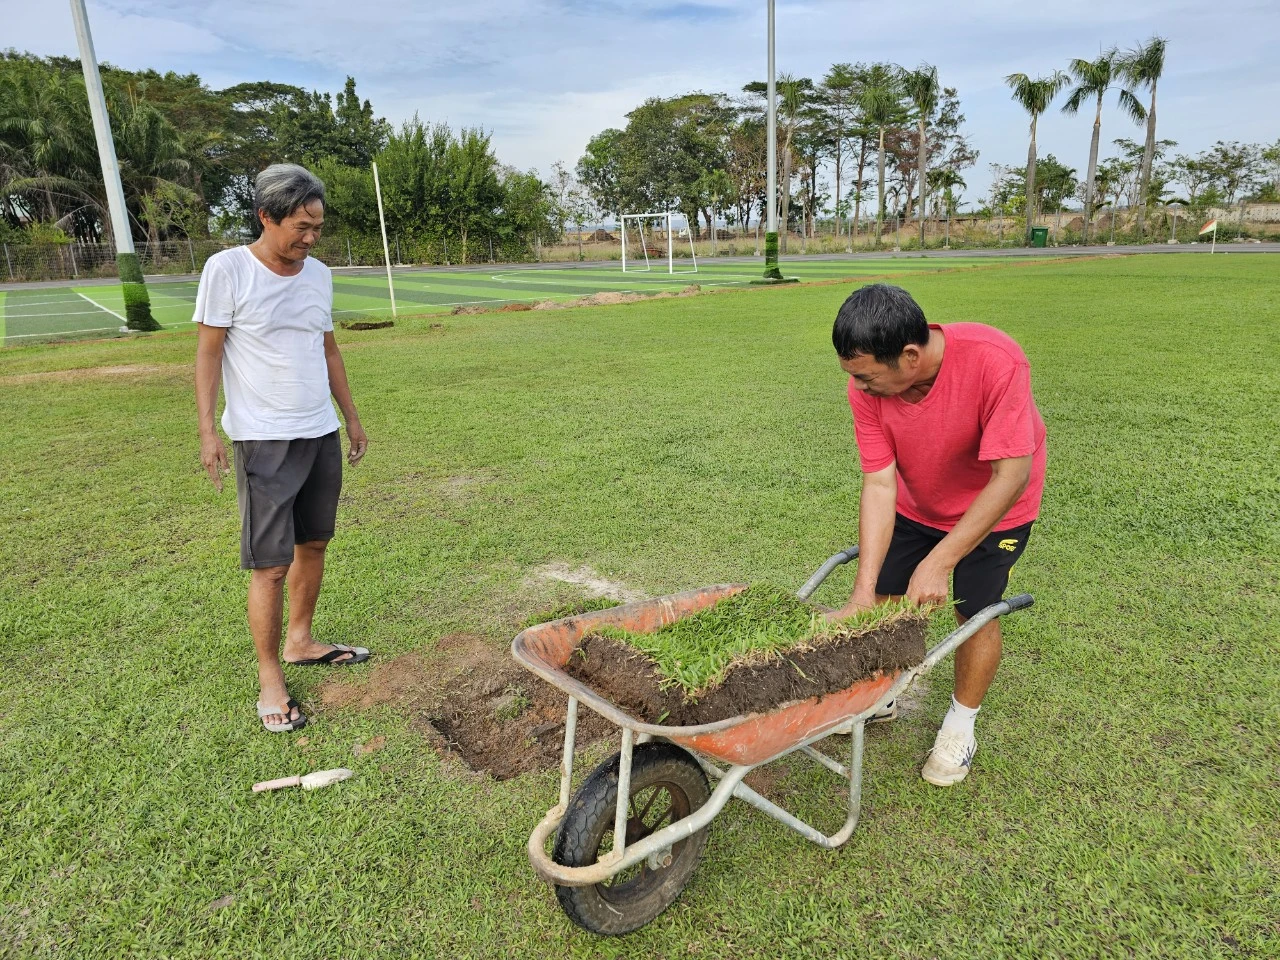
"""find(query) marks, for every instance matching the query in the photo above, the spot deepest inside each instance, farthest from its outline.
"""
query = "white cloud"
(545, 75)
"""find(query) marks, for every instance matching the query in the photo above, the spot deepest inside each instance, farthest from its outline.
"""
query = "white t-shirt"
(274, 373)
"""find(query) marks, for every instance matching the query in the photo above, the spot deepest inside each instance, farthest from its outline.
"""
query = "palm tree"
(1034, 96)
(921, 87)
(1143, 67)
(1093, 79)
(881, 102)
(791, 100)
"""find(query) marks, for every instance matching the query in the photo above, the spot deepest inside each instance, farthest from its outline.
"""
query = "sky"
(544, 76)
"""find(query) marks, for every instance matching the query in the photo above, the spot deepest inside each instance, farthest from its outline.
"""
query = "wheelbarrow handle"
(1020, 602)
(824, 571)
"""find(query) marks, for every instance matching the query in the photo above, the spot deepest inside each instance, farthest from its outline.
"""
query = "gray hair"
(282, 188)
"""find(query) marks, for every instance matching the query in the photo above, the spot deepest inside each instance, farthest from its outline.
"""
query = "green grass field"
(1124, 796)
(95, 310)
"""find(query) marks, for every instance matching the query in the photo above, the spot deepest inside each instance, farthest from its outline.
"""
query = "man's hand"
(928, 584)
(359, 441)
(213, 454)
(860, 602)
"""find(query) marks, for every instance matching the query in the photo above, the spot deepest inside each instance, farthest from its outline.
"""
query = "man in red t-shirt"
(953, 461)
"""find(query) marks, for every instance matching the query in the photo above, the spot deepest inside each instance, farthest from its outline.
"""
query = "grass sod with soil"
(749, 653)
(1123, 798)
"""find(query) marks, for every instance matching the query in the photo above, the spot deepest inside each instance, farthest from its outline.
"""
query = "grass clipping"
(750, 652)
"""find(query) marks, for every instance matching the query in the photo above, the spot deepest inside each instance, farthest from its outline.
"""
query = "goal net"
(655, 240)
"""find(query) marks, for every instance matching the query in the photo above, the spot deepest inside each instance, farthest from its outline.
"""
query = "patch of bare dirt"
(366, 324)
(514, 308)
(632, 680)
(134, 370)
(592, 583)
(472, 701)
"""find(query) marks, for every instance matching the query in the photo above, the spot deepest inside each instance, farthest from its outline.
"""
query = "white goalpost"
(643, 230)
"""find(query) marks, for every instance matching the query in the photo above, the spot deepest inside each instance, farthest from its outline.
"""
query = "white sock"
(959, 720)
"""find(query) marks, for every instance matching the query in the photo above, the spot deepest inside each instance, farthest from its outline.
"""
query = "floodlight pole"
(137, 303)
(386, 253)
(771, 271)
(102, 130)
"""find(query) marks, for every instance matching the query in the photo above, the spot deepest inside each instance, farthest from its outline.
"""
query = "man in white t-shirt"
(266, 326)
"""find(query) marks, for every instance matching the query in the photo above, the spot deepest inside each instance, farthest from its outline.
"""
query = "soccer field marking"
(122, 319)
(64, 313)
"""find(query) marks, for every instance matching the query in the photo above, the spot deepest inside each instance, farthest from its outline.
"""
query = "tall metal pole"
(102, 130)
(771, 270)
(137, 303)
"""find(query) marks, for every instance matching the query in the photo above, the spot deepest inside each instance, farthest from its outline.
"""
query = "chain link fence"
(76, 261)
(1242, 223)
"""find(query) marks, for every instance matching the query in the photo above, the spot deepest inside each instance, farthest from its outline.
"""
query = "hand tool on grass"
(310, 781)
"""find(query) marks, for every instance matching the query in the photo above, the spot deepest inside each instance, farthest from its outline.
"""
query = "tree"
(1270, 190)
(1236, 168)
(882, 107)
(600, 170)
(474, 191)
(921, 88)
(358, 135)
(1194, 173)
(1034, 96)
(793, 94)
(1093, 78)
(837, 97)
(1143, 67)
(944, 181)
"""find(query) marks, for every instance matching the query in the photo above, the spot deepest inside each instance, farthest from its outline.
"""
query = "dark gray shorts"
(288, 492)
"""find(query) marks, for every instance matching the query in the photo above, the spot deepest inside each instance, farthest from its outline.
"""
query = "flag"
(1209, 227)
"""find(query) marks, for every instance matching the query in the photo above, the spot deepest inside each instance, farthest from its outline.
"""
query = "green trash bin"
(1039, 236)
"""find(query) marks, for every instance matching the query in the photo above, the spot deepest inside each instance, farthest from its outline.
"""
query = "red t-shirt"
(979, 409)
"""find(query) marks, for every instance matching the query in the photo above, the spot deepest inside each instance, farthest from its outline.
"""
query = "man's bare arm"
(877, 507)
(341, 391)
(1009, 478)
(213, 453)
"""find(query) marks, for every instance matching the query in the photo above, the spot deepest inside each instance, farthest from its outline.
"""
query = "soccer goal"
(651, 238)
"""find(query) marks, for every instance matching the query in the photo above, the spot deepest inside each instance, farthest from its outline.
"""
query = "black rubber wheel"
(666, 784)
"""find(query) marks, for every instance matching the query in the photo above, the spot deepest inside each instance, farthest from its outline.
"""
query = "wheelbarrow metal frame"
(715, 739)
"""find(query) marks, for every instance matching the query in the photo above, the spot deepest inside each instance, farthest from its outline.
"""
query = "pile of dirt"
(632, 681)
(366, 324)
(514, 308)
(472, 701)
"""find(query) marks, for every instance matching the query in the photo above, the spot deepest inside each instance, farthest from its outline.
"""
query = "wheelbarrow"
(628, 840)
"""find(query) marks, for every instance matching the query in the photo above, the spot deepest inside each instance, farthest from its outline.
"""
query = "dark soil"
(366, 324)
(472, 701)
(631, 680)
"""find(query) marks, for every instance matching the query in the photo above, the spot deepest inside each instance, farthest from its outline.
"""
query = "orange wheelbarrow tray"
(740, 743)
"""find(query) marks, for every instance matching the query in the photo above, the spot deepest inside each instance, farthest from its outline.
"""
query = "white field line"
(63, 333)
(47, 303)
(122, 319)
(64, 313)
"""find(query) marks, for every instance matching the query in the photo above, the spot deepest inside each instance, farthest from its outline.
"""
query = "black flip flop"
(330, 659)
(288, 726)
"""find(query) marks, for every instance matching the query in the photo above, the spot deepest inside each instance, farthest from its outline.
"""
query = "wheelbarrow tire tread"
(590, 816)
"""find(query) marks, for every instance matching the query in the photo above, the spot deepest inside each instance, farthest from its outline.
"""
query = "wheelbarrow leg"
(764, 805)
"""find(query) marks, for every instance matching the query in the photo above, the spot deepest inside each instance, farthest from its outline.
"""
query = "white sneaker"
(949, 760)
(884, 715)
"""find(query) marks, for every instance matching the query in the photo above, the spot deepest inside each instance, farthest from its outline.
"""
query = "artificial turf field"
(96, 310)
(1123, 801)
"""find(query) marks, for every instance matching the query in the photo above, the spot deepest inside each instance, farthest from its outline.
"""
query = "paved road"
(1182, 248)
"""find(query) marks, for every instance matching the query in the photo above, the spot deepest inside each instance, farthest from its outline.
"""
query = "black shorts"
(979, 580)
(288, 492)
